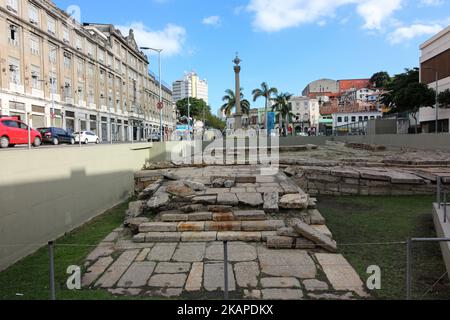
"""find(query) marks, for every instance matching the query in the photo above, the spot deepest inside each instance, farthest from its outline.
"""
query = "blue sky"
(287, 43)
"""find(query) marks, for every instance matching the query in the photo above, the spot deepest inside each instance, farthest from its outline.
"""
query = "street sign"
(160, 105)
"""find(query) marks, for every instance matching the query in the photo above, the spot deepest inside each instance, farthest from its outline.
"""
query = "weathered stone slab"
(196, 186)
(323, 229)
(286, 263)
(280, 283)
(192, 208)
(252, 294)
(190, 252)
(239, 236)
(220, 209)
(134, 223)
(130, 245)
(250, 199)
(102, 250)
(172, 267)
(315, 285)
(374, 175)
(158, 227)
(200, 216)
(174, 217)
(247, 274)
(223, 226)
(162, 252)
(267, 225)
(198, 236)
(330, 296)
(294, 201)
(250, 215)
(143, 255)
(345, 173)
(191, 226)
(304, 244)
(214, 277)
(135, 209)
(217, 191)
(139, 238)
(267, 234)
(227, 199)
(316, 217)
(341, 274)
(163, 237)
(115, 271)
(137, 275)
(167, 280)
(204, 200)
(237, 252)
(314, 235)
(159, 200)
(150, 190)
(195, 279)
(282, 294)
(95, 271)
(287, 232)
(113, 236)
(278, 242)
(224, 217)
(246, 179)
(290, 188)
(271, 200)
(125, 292)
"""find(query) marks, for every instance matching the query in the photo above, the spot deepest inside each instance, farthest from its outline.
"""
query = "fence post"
(52, 270)
(438, 182)
(225, 269)
(408, 269)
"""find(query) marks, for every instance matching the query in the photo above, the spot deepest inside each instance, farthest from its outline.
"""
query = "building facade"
(57, 72)
(342, 119)
(306, 114)
(190, 86)
(435, 60)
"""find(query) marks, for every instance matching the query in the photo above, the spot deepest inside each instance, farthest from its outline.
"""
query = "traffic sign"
(160, 105)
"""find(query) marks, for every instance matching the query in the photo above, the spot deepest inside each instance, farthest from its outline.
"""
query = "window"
(14, 71)
(339, 119)
(53, 82)
(13, 35)
(35, 47)
(361, 118)
(372, 118)
(67, 61)
(67, 88)
(346, 119)
(101, 56)
(51, 25)
(52, 53)
(90, 49)
(12, 5)
(80, 69)
(66, 34)
(353, 119)
(33, 14)
(79, 43)
(366, 118)
(36, 82)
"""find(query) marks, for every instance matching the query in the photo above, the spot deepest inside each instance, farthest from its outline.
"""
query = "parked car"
(86, 137)
(154, 136)
(56, 136)
(13, 131)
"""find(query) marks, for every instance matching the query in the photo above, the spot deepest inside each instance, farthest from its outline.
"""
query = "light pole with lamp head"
(437, 94)
(160, 104)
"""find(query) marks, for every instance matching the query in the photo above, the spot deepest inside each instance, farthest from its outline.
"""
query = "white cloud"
(272, 16)
(170, 39)
(406, 33)
(212, 21)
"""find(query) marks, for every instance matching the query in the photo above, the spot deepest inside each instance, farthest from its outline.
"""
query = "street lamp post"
(437, 94)
(160, 104)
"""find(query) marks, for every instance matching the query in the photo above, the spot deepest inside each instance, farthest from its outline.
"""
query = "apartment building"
(435, 61)
(190, 86)
(306, 113)
(57, 72)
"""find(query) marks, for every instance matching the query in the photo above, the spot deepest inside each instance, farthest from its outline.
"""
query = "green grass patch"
(28, 279)
(388, 219)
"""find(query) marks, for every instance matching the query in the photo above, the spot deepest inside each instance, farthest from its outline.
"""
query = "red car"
(13, 131)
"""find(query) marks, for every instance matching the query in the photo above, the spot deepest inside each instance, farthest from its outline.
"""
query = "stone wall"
(362, 181)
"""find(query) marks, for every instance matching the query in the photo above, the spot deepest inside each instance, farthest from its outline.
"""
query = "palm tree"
(282, 107)
(230, 103)
(267, 93)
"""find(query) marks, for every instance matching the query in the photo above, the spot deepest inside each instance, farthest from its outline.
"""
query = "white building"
(348, 118)
(190, 86)
(361, 95)
(306, 112)
(435, 58)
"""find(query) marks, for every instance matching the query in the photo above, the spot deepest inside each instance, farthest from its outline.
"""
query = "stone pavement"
(194, 270)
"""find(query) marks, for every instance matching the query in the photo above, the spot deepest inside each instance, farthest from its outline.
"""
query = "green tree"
(406, 94)
(283, 109)
(230, 103)
(201, 111)
(267, 93)
(444, 99)
(380, 79)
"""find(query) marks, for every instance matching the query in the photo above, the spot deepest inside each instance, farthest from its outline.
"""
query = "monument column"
(238, 115)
